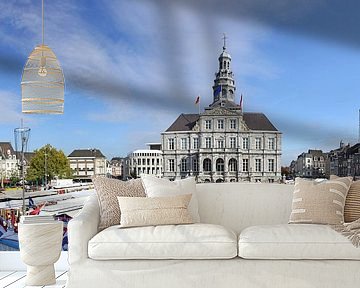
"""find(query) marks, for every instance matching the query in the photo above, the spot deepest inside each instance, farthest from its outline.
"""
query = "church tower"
(224, 83)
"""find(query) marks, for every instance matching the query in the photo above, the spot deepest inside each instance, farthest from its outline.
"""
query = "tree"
(57, 165)
(14, 177)
(285, 171)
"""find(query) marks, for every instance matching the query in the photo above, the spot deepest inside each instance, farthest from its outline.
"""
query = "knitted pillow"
(107, 190)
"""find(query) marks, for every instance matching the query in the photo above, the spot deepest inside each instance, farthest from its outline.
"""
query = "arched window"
(220, 165)
(207, 165)
(233, 167)
(183, 167)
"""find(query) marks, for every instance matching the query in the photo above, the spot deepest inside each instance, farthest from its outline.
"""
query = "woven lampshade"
(42, 83)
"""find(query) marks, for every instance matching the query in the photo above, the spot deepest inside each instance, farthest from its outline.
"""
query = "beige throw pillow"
(138, 211)
(107, 190)
(159, 187)
(319, 202)
(352, 203)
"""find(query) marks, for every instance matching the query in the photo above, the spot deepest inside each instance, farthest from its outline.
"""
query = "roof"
(225, 103)
(255, 121)
(146, 151)
(5, 147)
(185, 122)
(316, 152)
(258, 121)
(29, 156)
(87, 153)
(225, 54)
(117, 159)
(354, 149)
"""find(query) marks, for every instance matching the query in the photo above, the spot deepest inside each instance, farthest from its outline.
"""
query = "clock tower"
(224, 83)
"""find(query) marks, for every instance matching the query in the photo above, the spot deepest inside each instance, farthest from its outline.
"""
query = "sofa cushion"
(295, 241)
(192, 241)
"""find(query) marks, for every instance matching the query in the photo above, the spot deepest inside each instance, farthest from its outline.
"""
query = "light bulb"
(42, 70)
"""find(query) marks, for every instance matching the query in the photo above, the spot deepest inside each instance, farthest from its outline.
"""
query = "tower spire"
(224, 38)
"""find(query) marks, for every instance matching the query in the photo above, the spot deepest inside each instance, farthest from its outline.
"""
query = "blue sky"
(131, 67)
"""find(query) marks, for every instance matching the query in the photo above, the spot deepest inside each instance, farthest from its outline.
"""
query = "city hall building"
(223, 143)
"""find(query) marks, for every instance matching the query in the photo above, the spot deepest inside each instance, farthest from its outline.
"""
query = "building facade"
(223, 143)
(8, 162)
(312, 164)
(117, 167)
(145, 161)
(86, 163)
(345, 161)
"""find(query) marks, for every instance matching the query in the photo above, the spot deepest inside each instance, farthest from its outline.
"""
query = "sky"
(131, 67)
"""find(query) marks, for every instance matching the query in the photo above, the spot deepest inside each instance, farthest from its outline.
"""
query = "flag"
(197, 101)
(241, 102)
(37, 210)
(217, 90)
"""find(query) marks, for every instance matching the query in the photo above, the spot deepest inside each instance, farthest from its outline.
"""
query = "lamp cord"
(43, 22)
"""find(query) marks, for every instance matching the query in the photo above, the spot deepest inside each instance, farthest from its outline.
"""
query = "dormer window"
(207, 124)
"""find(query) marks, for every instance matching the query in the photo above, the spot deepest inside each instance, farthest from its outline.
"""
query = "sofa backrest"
(239, 205)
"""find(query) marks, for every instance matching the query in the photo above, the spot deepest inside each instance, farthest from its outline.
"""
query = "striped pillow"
(319, 202)
(352, 203)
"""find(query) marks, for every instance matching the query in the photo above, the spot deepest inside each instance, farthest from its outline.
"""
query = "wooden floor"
(16, 279)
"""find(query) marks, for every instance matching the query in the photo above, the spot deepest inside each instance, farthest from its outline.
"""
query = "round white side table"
(40, 247)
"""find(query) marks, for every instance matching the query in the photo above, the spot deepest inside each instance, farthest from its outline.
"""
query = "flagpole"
(199, 104)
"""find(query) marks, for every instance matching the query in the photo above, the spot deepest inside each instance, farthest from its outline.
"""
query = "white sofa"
(277, 254)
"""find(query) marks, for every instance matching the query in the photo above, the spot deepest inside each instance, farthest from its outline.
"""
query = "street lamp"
(45, 188)
(21, 140)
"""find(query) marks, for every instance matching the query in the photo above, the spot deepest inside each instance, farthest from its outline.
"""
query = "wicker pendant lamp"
(42, 83)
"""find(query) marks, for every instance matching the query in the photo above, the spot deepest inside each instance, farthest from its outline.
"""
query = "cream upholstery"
(191, 241)
(295, 241)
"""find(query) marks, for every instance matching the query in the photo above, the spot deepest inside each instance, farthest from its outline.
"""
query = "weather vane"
(224, 38)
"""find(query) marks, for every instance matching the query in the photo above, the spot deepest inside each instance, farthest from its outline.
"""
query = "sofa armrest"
(82, 228)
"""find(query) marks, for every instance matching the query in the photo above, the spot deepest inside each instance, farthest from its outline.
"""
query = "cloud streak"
(157, 56)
